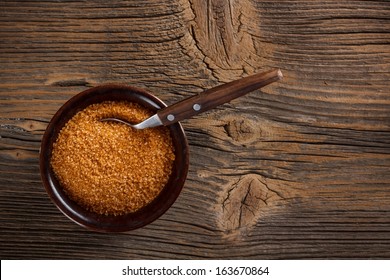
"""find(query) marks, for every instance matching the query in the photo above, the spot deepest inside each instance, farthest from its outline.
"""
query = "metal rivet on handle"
(170, 117)
(196, 107)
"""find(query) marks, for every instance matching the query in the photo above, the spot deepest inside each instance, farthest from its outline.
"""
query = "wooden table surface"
(299, 169)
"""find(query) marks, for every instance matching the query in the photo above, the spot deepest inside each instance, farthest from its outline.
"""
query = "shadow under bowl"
(111, 223)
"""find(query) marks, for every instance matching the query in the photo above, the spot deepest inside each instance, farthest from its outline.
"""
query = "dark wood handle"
(216, 96)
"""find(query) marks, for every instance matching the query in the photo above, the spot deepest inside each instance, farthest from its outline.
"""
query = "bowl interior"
(90, 219)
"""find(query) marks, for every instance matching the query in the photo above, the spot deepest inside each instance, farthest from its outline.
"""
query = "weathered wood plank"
(299, 169)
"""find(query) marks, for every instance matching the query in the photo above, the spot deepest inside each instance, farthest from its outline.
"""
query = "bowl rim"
(110, 223)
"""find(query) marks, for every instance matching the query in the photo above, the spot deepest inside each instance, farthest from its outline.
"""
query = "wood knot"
(222, 37)
(243, 201)
(240, 130)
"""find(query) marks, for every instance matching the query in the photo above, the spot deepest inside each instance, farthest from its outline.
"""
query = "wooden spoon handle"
(216, 96)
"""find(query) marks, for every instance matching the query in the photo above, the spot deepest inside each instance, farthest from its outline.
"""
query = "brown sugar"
(110, 168)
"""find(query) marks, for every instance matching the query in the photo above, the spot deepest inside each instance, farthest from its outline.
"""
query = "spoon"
(206, 100)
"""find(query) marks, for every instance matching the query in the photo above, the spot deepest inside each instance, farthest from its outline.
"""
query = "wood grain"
(297, 170)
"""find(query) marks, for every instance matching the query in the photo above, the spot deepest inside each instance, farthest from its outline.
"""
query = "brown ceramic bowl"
(104, 223)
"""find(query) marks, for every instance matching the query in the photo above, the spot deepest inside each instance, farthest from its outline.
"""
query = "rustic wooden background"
(300, 169)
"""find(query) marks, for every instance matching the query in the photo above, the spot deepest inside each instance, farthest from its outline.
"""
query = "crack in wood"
(72, 83)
